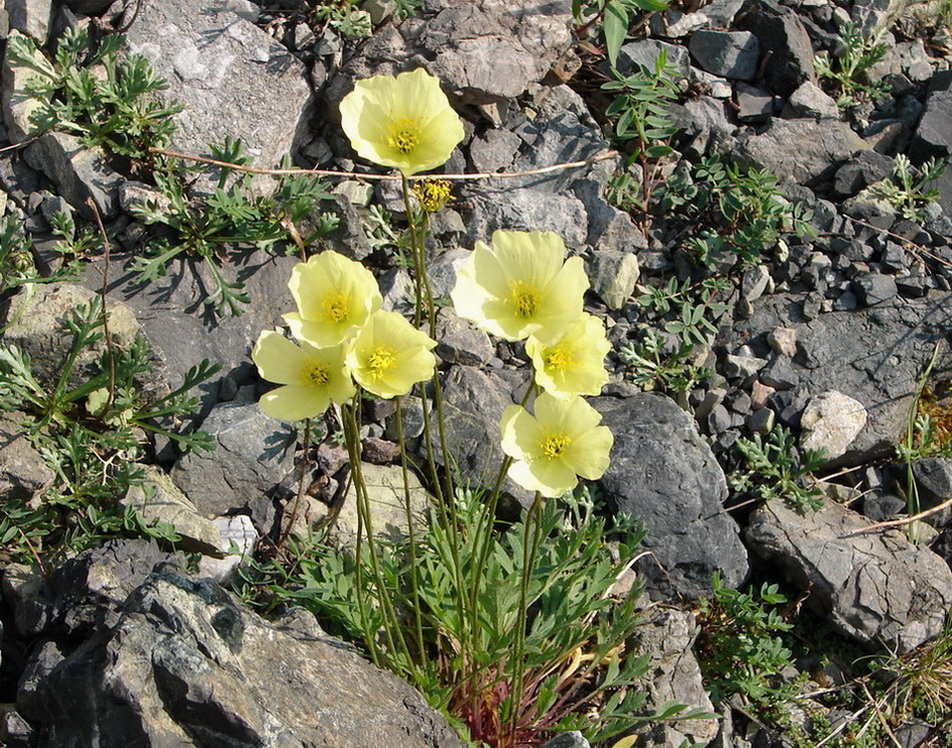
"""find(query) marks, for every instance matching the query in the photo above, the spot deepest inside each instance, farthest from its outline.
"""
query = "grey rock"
(186, 664)
(934, 481)
(89, 7)
(253, 454)
(875, 288)
(494, 150)
(933, 136)
(233, 78)
(754, 282)
(761, 421)
(806, 151)
(573, 739)
(873, 15)
(729, 54)
(459, 342)
(880, 507)
(779, 29)
(780, 374)
(875, 587)
(644, 52)
(609, 229)
(742, 367)
(783, 341)
(868, 206)
(79, 172)
(613, 276)
(19, 103)
(526, 210)
(15, 731)
(716, 14)
(830, 422)
(238, 529)
(706, 123)
(86, 593)
(809, 100)
(753, 104)
(159, 500)
(711, 85)
(875, 354)
(667, 635)
(663, 472)
(23, 471)
(484, 52)
(856, 174)
(31, 17)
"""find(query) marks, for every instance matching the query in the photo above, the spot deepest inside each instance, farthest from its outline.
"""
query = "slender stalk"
(301, 485)
(411, 534)
(912, 491)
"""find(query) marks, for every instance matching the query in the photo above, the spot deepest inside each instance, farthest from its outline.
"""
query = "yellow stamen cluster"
(404, 135)
(316, 374)
(560, 358)
(555, 446)
(382, 360)
(433, 194)
(337, 307)
(525, 297)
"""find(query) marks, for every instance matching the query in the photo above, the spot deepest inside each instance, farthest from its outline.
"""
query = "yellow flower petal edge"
(389, 355)
(560, 442)
(405, 121)
(334, 295)
(312, 377)
(573, 363)
(521, 286)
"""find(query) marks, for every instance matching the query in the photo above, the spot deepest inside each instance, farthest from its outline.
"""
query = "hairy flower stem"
(411, 533)
(393, 631)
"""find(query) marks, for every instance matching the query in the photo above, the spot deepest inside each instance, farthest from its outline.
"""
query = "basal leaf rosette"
(561, 441)
(312, 377)
(572, 363)
(405, 121)
(521, 286)
(389, 355)
(334, 296)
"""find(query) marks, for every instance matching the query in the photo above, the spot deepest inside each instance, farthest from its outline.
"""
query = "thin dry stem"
(900, 522)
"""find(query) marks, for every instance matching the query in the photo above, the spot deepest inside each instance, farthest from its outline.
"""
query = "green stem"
(912, 491)
(411, 533)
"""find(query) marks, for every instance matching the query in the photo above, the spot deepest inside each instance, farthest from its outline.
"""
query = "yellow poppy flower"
(389, 355)
(334, 297)
(560, 442)
(312, 377)
(405, 121)
(573, 363)
(521, 286)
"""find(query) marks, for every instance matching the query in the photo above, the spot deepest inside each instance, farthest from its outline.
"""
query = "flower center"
(555, 445)
(559, 358)
(524, 297)
(382, 360)
(316, 374)
(433, 194)
(404, 135)
(337, 308)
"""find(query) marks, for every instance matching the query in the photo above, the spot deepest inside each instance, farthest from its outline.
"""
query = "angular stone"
(874, 587)
(806, 151)
(809, 100)
(779, 29)
(663, 472)
(859, 173)
(23, 471)
(459, 342)
(753, 104)
(934, 481)
(18, 102)
(187, 664)
(933, 136)
(237, 532)
(31, 17)
(78, 171)
(613, 276)
(729, 54)
(234, 79)
(830, 422)
(716, 14)
(875, 288)
(253, 454)
(644, 52)
(160, 500)
(526, 210)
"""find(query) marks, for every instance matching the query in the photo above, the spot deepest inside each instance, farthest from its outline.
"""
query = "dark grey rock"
(86, 593)
(779, 30)
(729, 54)
(186, 664)
(459, 342)
(754, 104)
(644, 52)
(609, 229)
(879, 507)
(933, 136)
(809, 100)
(934, 481)
(874, 288)
(806, 151)
(707, 127)
(253, 454)
(526, 210)
(31, 17)
(912, 286)
(663, 472)
(876, 355)
(484, 52)
(613, 276)
(23, 471)
(874, 587)
(716, 14)
(780, 374)
(856, 174)
(234, 79)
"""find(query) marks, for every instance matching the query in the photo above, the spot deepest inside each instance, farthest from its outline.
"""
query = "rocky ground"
(827, 333)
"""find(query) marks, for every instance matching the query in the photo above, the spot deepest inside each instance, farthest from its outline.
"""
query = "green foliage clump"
(740, 213)
(615, 17)
(739, 647)
(92, 91)
(775, 469)
(88, 423)
(857, 54)
(232, 216)
(907, 191)
(576, 656)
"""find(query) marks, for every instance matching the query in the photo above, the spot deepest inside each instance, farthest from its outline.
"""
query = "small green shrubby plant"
(615, 17)
(907, 191)
(845, 71)
(17, 266)
(97, 94)
(231, 217)
(775, 469)
(740, 213)
(739, 647)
